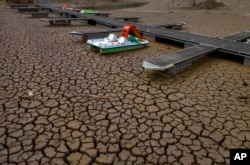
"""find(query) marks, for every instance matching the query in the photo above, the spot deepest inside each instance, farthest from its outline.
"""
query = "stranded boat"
(88, 11)
(130, 39)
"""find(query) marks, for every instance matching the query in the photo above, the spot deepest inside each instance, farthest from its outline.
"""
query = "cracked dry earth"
(61, 104)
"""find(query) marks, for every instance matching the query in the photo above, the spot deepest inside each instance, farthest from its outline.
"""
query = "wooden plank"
(176, 59)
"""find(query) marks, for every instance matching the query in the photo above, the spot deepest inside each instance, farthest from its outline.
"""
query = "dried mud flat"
(60, 103)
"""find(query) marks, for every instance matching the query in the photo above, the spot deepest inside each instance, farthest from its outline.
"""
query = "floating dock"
(199, 44)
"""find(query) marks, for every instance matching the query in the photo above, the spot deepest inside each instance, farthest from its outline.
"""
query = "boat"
(88, 11)
(130, 39)
(65, 6)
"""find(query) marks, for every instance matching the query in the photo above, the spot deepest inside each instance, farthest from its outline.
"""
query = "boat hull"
(115, 49)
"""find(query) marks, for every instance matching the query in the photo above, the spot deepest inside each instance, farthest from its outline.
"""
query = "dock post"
(246, 61)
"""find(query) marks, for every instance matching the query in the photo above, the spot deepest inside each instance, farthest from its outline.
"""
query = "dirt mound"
(208, 5)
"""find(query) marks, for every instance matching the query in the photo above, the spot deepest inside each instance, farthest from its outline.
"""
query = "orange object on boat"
(65, 6)
(131, 29)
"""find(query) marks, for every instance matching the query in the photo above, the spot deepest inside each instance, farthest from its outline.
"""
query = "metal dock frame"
(95, 34)
(179, 60)
(63, 21)
(222, 45)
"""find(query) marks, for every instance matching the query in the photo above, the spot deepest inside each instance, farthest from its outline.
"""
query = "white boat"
(112, 43)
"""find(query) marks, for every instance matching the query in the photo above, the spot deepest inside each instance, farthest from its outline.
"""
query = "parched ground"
(61, 103)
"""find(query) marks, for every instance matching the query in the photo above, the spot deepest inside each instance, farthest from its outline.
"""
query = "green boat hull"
(115, 49)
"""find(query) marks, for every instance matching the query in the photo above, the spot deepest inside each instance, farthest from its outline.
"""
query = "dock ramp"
(178, 60)
(238, 37)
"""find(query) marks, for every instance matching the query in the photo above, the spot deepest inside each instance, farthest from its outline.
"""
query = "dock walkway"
(219, 44)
